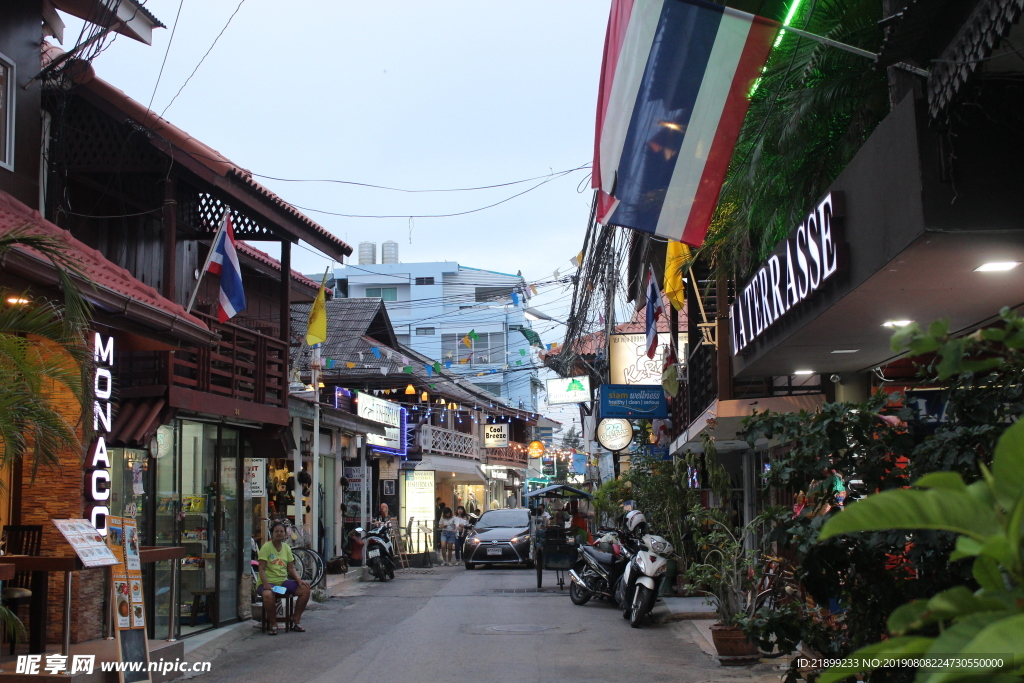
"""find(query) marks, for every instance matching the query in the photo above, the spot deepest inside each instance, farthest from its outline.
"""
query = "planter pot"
(733, 646)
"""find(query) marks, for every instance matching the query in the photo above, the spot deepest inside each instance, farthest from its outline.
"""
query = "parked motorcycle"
(641, 579)
(380, 559)
(599, 568)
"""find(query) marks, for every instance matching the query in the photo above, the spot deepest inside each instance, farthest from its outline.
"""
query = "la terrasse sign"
(812, 254)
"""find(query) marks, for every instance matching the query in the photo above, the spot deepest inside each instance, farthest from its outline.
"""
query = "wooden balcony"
(244, 365)
(513, 455)
(449, 442)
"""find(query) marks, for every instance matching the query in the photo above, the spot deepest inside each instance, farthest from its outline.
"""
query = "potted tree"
(726, 570)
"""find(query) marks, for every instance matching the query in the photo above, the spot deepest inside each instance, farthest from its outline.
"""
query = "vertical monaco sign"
(98, 462)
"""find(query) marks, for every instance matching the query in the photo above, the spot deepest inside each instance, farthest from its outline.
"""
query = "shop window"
(382, 293)
(7, 80)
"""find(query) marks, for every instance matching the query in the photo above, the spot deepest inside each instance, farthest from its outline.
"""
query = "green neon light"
(785, 22)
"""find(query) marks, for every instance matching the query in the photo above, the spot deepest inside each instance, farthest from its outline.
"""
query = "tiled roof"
(983, 30)
(265, 258)
(129, 294)
(167, 133)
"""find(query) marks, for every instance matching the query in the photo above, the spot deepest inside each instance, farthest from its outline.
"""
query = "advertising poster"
(90, 547)
(419, 502)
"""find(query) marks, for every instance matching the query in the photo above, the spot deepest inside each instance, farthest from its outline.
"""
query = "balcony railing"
(243, 364)
(449, 442)
(513, 455)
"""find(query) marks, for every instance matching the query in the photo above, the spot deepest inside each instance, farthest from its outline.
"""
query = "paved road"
(450, 624)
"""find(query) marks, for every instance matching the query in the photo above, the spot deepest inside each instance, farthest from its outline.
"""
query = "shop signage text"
(496, 436)
(614, 434)
(629, 362)
(98, 467)
(812, 254)
(632, 401)
(392, 416)
(535, 449)
(568, 390)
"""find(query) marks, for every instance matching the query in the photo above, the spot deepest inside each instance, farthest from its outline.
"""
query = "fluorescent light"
(803, 372)
(896, 323)
(17, 300)
(996, 266)
(846, 351)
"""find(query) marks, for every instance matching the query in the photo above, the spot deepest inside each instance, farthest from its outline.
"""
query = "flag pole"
(314, 489)
(209, 257)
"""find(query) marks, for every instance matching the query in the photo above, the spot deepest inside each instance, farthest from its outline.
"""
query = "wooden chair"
(20, 540)
(285, 614)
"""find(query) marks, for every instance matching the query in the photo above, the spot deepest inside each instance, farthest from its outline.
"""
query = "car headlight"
(473, 541)
(661, 547)
(520, 539)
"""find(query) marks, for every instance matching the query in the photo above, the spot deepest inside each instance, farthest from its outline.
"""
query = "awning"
(137, 421)
(729, 417)
(456, 470)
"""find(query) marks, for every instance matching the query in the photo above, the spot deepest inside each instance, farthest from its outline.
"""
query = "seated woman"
(276, 564)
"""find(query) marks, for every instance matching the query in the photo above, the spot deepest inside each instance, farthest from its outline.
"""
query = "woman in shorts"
(448, 533)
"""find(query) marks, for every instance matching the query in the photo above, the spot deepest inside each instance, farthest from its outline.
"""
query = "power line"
(174, 28)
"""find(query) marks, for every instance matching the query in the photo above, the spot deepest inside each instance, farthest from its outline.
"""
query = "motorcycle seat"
(603, 558)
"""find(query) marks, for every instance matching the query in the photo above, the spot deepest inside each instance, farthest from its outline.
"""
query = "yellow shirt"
(276, 570)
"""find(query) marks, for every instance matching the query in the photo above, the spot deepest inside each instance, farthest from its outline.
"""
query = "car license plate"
(372, 554)
(494, 551)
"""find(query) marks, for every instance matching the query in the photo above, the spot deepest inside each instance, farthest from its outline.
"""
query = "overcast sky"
(413, 95)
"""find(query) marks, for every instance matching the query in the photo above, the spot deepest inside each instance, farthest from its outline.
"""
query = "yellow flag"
(316, 329)
(676, 257)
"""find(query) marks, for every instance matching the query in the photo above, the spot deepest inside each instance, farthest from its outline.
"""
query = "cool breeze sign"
(496, 436)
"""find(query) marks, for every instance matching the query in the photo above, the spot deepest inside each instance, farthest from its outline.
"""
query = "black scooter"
(597, 573)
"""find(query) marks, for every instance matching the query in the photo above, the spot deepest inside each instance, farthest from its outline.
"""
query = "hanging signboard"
(392, 416)
(614, 434)
(569, 390)
(535, 449)
(496, 435)
(628, 359)
(634, 402)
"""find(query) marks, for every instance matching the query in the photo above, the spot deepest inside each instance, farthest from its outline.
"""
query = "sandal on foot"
(296, 627)
(272, 631)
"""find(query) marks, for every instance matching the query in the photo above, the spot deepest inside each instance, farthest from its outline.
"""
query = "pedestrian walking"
(461, 530)
(448, 528)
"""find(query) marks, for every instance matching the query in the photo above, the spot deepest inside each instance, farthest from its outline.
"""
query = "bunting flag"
(430, 370)
(224, 262)
(532, 337)
(515, 299)
(447, 363)
(676, 257)
(383, 369)
(437, 367)
(316, 325)
(405, 361)
(577, 260)
(350, 365)
(407, 369)
(330, 363)
(673, 95)
(533, 288)
(655, 310)
(519, 362)
(467, 342)
(375, 351)
(473, 335)
(522, 352)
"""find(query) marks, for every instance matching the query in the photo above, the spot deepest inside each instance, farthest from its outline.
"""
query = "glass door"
(227, 525)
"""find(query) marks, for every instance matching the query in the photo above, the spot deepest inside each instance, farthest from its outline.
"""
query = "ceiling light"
(996, 266)
(896, 323)
(803, 372)
(17, 300)
(846, 351)
(410, 390)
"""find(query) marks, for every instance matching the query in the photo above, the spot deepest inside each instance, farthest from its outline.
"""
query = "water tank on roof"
(367, 253)
(389, 252)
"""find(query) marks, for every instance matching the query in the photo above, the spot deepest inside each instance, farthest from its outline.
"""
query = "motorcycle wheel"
(643, 602)
(577, 594)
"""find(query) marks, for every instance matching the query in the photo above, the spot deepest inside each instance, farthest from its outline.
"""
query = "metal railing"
(449, 442)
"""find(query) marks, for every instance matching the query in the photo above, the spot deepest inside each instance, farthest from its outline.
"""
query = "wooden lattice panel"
(203, 212)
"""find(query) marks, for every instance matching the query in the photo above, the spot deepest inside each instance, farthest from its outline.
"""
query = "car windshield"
(494, 519)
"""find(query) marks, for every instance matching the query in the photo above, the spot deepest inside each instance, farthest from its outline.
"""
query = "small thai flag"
(655, 309)
(225, 264)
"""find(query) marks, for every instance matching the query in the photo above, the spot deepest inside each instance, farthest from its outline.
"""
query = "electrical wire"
(174, 28)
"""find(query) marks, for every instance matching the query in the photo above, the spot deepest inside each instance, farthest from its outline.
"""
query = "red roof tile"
(103, 274)
(264, 257)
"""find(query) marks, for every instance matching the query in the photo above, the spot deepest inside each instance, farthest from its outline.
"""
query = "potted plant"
(726, 569)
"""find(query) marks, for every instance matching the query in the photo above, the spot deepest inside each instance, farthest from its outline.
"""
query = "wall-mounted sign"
(98, 468)
(392, 416)
(635, 402)
(388, 468)
(614, 434)
(535, 449)
(418, 503)
(256, 476)
(568, 390)
(496, 435)
(498, 473)
(628, 359)
(812, 254)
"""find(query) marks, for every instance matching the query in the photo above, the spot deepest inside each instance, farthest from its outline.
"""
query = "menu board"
(129, 610)
(87, 542)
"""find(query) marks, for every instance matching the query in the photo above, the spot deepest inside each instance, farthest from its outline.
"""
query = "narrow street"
(449, 624)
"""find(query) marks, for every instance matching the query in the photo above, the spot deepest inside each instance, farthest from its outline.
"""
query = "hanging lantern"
(424, 397)
(410, 390)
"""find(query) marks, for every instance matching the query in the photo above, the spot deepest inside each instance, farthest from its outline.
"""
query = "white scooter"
(638, 589)
(379, 554)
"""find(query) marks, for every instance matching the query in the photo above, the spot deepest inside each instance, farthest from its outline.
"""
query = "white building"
(434, 306)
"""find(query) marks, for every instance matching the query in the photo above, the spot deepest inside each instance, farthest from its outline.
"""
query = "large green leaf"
(908, 616)
(960, 601)
(902, 646)
(1008, 462)
(998, 639)
(942, 480)
(939, 509)
(987, 573)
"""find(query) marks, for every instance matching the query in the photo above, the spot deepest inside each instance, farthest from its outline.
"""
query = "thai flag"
(224, 263)
(673, 95)
(655, 309)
